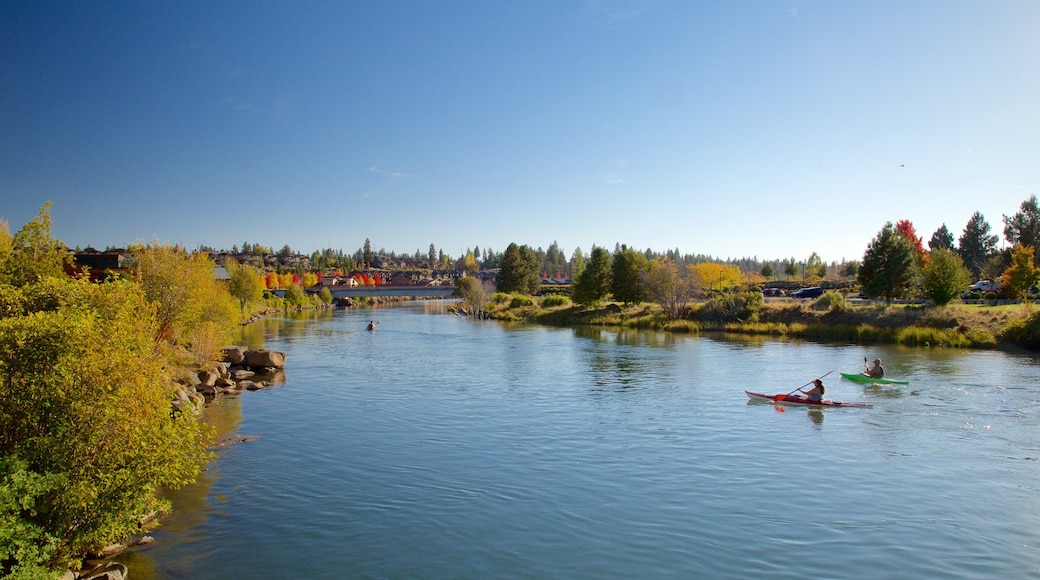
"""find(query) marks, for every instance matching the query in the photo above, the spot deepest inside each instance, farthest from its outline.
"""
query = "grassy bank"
(958, 325)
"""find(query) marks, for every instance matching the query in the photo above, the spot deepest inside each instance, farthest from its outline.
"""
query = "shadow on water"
(191, 504)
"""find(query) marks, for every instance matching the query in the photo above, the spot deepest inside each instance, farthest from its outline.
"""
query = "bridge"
(388, 291)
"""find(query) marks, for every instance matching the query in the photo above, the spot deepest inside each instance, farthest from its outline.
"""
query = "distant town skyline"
(734, 129)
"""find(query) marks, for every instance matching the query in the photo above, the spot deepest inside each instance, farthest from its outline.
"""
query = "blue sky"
(734, 129)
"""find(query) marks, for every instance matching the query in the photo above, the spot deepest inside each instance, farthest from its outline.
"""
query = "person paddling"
(875, 371)
(372, 325)
(816, 393)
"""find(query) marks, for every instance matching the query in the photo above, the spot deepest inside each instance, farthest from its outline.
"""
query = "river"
(444, 447)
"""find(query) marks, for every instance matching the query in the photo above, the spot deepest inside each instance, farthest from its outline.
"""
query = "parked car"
(810, 292)
(985, 286)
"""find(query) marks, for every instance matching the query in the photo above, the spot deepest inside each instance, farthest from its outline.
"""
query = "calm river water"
(443, 447)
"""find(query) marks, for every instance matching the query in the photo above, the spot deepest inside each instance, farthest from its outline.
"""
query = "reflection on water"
(192, 503)
(443, 446)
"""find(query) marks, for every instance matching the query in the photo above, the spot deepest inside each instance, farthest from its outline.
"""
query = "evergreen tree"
(593, 285)
(889, 265)
(366, 253)
(577, 263)
(519, 270)
(626, 276)
(942, 238)
(976, 245)
(1023, 228)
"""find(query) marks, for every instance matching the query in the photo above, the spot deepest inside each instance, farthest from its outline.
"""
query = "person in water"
(372, 325)
(875, 371)
(816, 393)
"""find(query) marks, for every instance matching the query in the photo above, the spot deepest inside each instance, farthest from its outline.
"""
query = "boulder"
(241, 375)
(263, 358)
(207, 378)
(234, 354)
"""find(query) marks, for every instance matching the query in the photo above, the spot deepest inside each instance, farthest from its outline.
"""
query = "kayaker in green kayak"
(874, 372)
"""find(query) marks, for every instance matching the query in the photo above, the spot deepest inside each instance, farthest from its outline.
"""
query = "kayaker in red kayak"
(874, 372)
(816, 393)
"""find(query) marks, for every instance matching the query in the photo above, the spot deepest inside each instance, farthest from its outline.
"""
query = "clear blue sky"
(770, 128)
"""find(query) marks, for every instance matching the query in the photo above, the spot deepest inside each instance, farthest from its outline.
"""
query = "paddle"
(779, 398)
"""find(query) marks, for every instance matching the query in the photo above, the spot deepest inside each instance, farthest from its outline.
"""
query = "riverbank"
(957, 325)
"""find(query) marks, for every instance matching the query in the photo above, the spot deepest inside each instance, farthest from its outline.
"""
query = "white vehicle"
(984, 286)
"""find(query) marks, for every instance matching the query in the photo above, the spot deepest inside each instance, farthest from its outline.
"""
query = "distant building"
(100, 265)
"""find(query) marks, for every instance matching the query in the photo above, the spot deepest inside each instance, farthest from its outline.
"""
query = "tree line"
(895, 265)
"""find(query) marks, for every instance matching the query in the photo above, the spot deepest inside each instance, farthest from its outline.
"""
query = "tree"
(976, 245)
(814, 267)
(849, 269)
(906, 227)
(33, 254)
(519, 270)
(1022, 274)
(626, 276)
(1023, 228)
(717, 277)
(191, 307)
(944, 277)
(767, 271)
(577, 263)
(6, 243)
(942, 238)
(245, 285)
(593, 285)
(790, 267)
(889, 265)
(87, 436)
(366, 253)
(666, 286)
(474, 294)
(432, 256)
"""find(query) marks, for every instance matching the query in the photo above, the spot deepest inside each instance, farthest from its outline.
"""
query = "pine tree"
(976, 245)
(889, 265)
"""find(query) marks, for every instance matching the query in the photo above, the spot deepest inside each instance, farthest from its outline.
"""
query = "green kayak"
(863, 378)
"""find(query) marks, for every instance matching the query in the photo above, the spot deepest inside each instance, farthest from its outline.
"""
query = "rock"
(208, 378)
(241, 374)
(256, 359)
(234, 354)
(109, 571)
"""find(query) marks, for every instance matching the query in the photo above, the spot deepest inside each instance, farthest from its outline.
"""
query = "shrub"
(294, 295)
(731, 307)
(1025, 332)
(520, 300)
(556, 300)
(501, 297)
(831, 301)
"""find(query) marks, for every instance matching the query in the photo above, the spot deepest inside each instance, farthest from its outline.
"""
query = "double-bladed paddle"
(779, 398)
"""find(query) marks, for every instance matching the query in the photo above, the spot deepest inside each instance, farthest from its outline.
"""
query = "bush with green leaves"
(831, 301)
(295, 296)
(520, 300)
(554, 300)
(86, 431)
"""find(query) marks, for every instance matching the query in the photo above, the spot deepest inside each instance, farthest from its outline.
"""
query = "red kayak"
(801, 400)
